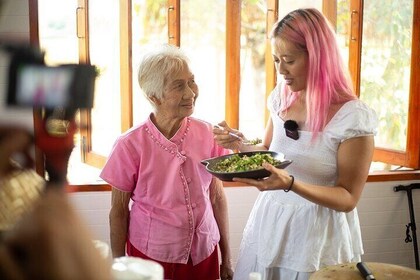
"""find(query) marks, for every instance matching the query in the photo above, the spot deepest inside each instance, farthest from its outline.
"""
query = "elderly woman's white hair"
(157, 67)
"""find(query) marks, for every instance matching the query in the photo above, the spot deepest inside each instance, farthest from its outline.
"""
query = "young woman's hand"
(278, 180)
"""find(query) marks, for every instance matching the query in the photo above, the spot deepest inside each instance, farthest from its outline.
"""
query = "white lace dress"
(287, 232)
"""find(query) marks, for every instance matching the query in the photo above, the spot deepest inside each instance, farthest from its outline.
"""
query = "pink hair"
(328, 79)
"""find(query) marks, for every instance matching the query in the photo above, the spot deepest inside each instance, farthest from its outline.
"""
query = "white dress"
(287, 232)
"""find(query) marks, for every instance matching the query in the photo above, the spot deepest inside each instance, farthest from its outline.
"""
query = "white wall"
(14, 26)
(383, 215)
(14, 20)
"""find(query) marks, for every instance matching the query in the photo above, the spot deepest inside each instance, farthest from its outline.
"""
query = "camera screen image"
(39, 85)
(32, 83)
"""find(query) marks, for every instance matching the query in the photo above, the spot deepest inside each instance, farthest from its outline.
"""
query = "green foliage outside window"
(385, 71)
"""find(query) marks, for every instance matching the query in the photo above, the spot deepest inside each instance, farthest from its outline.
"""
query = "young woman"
(308, 218)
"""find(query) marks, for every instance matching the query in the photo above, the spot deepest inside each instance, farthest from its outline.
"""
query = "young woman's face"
(291, 63)
(180, 94)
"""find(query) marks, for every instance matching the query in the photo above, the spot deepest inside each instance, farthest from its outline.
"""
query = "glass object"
(255, 276)
(385, 68)
(206, 48)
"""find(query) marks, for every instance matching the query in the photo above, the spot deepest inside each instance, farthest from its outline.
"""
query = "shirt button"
(189, 180)
(193, 205)
(183, 153)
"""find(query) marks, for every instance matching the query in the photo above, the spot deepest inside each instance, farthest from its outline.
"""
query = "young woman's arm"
(353, 162)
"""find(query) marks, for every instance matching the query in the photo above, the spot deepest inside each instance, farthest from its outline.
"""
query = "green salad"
(237, 163)
(255, 141)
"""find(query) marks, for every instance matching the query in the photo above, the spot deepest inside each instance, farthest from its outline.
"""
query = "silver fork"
(244, 141)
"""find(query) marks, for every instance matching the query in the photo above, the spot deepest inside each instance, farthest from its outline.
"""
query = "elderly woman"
(179, 211)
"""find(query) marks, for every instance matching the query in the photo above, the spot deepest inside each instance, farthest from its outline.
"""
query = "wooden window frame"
(233, 9)
(411, 157)
(87, 154)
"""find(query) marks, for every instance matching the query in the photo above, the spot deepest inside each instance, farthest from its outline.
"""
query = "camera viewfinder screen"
(43, 86)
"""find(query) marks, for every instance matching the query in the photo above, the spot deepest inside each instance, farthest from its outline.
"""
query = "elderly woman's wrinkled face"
(180, 94)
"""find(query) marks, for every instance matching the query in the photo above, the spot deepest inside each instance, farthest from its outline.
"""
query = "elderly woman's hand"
(226, 272)
(223, 136)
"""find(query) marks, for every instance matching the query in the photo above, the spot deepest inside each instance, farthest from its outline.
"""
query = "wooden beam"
(233, 59)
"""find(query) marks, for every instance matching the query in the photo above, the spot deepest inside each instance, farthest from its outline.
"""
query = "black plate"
(252, 174)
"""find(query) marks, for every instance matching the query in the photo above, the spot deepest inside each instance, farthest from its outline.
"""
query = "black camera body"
(31, 83)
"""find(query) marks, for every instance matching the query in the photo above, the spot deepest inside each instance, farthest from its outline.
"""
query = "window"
(206, 48)
(384, 62)
(231, 58)
(253, 33)
(149, 27)
(103, 51)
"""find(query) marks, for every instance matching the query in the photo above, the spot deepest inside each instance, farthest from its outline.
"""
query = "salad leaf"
(237, 163)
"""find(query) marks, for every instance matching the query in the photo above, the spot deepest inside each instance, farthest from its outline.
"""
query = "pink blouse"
(171, 216)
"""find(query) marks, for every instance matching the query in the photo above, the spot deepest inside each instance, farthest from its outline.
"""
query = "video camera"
(31, 83)
(59, 91)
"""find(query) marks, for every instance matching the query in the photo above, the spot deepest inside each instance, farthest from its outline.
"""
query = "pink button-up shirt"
(171, 216)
